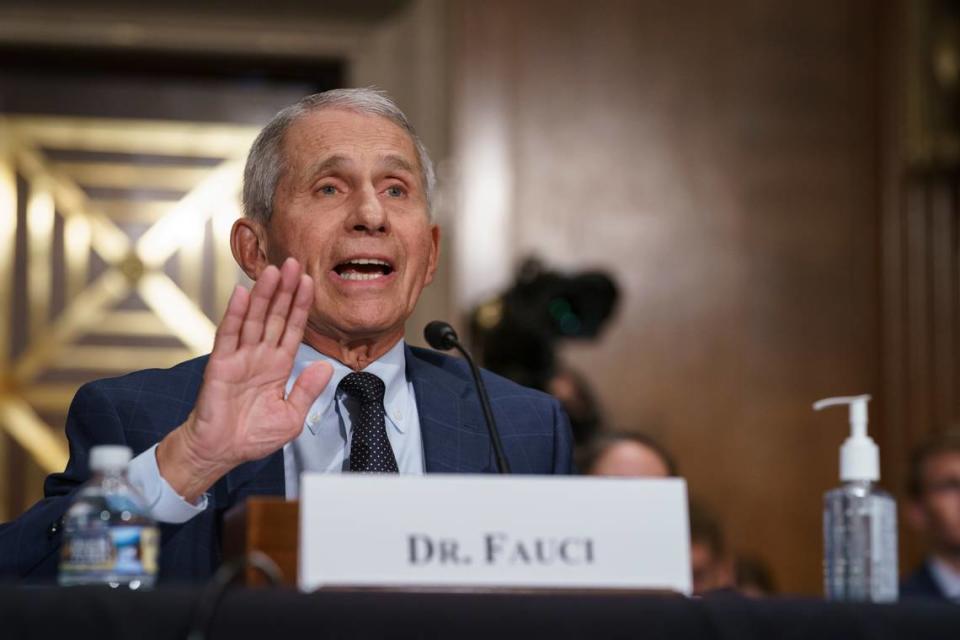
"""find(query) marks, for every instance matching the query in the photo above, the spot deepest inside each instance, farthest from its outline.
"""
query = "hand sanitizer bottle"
(859, 519)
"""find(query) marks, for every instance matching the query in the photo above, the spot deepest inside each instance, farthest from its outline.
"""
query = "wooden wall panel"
(922, 322)
(723, 164)
(943, 289)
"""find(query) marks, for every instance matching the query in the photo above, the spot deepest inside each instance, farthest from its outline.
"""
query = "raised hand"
(242, 411)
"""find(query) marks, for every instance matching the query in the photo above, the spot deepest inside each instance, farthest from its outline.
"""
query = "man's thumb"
(309, 385)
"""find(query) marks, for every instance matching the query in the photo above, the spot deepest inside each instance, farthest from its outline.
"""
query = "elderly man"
(309, 370)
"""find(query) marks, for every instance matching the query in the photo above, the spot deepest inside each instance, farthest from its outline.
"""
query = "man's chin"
(362, 329)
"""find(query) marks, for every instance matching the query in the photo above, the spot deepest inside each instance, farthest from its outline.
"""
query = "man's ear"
(248, 241)
(434, 258)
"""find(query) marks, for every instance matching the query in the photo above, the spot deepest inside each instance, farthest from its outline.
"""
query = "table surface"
(280, 613)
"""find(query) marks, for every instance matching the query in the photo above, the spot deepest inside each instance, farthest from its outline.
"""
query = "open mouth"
(363, 269)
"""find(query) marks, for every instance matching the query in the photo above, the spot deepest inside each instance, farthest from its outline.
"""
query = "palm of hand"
(250, 417)
(243, 412)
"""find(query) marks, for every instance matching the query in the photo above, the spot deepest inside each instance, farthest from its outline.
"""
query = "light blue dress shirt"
(323, 445)
(947, 578)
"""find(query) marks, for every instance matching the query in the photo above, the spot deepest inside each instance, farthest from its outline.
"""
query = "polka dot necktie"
(369, 447)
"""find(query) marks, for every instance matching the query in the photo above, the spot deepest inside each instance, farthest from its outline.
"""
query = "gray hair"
(266, 161)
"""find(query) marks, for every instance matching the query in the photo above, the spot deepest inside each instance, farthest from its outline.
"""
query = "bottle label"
(111, 552)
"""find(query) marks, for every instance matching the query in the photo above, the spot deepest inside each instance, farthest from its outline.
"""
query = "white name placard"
(489, 531)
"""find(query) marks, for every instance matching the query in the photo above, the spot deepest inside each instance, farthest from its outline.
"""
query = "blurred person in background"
(753, 576)
(934, 510)
(626, 454)
(712, 566)
(580, 403)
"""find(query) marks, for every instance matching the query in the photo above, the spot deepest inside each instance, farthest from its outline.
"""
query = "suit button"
(54, 528)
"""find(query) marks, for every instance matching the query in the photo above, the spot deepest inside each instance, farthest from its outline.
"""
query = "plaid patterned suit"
(138, 409)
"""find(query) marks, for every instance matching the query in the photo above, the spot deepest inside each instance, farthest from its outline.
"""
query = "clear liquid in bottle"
(109, 537)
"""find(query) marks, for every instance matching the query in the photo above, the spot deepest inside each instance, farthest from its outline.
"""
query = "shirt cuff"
(164, 503)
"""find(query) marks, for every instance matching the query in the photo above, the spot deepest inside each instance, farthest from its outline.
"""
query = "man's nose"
(368, 215)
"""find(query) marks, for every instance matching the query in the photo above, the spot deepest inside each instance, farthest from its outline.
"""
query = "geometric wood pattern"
(114, 255)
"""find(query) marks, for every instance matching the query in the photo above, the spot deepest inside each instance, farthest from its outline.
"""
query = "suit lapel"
(450, 445)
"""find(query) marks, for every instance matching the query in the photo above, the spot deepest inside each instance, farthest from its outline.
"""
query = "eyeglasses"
(949, 485)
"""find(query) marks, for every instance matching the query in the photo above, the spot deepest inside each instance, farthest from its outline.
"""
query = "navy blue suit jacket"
(921, 584)
(140, 408)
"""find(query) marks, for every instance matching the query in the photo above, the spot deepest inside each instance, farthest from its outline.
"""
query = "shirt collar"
(391, 367)
(946, 577)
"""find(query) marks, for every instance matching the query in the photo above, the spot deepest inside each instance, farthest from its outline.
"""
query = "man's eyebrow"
(389, 162)
(398, 163)
(333, 162)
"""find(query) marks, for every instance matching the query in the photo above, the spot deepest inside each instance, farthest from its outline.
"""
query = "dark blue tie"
(370, 449)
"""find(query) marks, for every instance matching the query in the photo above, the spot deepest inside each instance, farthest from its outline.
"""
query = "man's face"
(351, 208)
(710, 572)
(940, 501)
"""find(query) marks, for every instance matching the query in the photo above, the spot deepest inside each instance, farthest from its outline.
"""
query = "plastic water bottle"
(859, 519)
(109, 537)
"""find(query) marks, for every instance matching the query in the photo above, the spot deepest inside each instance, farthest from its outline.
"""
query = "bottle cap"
(109, 457)
(859, 455)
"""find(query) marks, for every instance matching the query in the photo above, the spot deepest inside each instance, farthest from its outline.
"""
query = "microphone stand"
(441, 335)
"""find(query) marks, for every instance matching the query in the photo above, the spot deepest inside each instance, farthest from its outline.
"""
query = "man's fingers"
(252, 330)
(297, 318)
(280, 305)
(228, 333)
(308, 386)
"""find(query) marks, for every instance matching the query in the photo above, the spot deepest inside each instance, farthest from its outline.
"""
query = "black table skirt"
(279, 614)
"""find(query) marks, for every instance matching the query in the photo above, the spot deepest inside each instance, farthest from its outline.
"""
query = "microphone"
(442, 337)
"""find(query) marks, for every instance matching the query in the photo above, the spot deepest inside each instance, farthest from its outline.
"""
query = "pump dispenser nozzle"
(859, 456)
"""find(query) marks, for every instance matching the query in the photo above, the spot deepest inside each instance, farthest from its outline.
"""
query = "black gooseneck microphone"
(441, 336)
